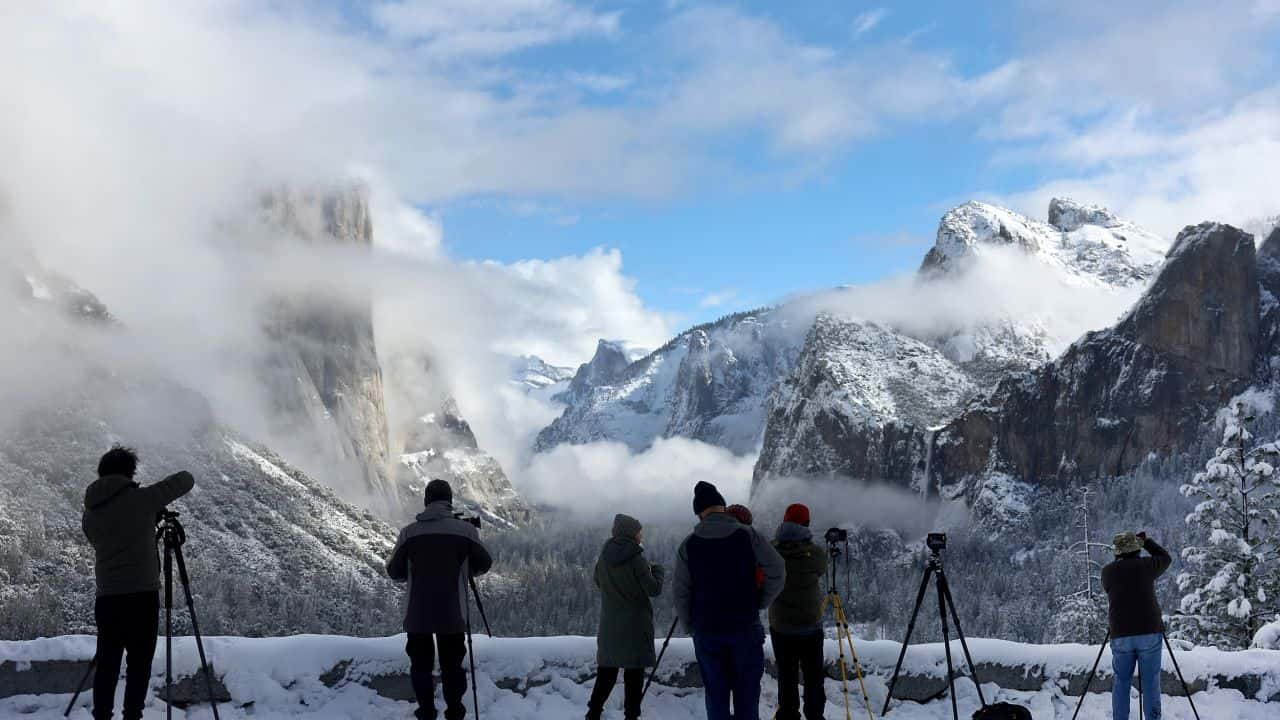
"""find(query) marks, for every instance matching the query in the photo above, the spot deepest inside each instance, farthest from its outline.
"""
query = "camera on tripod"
(836, 535)
(473, 520)
(937, 542)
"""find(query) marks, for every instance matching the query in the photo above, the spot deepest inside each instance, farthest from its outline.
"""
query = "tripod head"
(936, 542)
(169, 529)
(837, 545)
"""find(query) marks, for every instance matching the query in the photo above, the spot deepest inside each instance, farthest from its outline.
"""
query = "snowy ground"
(550, 678)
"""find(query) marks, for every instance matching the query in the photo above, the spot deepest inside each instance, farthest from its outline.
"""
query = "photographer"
(120, 522)
(438, 554)
(719, 602)
(795, 619)
(1135, 619)
(627, 581)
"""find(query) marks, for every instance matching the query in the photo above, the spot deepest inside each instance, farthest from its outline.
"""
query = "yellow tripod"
(844, 636)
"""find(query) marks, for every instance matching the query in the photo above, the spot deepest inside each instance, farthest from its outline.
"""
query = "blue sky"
(622, 169)
(884, 117)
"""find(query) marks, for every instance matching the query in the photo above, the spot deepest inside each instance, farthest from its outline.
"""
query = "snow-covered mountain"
(1086, 243)
(270, 550)
(321, 370)
(852, 405)
(535, 374)
(442, 446)
(708, 383)
(720, 382)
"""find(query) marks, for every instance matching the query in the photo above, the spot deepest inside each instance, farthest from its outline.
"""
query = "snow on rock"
(442, 446)
(858, 393)
(1268, 637)
(709, 383)
(1087, 243)
(311, 676)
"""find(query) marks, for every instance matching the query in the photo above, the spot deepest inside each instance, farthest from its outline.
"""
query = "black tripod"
(174, 536)
(654, 672)
(471, 653)
(937, 542)
(1094, 670)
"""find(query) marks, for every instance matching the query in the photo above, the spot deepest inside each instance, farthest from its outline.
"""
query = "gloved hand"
(659, 572)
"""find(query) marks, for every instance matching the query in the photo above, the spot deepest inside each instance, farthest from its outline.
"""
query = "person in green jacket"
(795, 619)
(625, 641)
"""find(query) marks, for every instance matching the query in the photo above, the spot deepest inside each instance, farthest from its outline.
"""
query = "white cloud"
(867, 21)
(603, 477)
(1224, 166)
(716, 299)
(465, 28)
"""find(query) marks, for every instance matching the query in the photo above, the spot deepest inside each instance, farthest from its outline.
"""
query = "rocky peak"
(965, 229)
(1067, 215)
(604, 368)
(1087, 244)
(1117, 395)
(322, 370)
(1203, 305)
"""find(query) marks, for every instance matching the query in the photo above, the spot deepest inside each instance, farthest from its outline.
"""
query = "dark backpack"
(1002, 711)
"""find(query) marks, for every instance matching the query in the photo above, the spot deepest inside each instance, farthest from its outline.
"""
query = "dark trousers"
(731, 664)
(126, 623)
(633, 685)
(799, 655)
(422, 661)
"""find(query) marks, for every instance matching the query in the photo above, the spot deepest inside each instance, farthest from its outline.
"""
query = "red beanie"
(798, 514)
(740, 513)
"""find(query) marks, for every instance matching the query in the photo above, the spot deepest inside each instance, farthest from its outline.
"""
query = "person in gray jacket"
(625, 640)
(437, 555)
(120, 522)
(718, 599)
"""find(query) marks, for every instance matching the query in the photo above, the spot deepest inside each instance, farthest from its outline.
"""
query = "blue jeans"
(1144, 651)
(731, 665)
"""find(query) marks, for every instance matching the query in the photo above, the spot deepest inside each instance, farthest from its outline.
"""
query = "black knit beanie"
(439, 490)
(705, 495)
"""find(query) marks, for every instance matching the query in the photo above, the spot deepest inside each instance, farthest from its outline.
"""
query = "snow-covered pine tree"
(1081, 614)
(1232, 585)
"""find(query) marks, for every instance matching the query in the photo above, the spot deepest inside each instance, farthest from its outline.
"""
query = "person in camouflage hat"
(1137, 628)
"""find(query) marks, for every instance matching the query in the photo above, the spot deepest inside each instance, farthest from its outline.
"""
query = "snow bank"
(311, 676)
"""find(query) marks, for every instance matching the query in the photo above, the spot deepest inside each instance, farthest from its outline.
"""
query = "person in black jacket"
(120, 522)
(1137, 628)
(437, 555)
(719, 600)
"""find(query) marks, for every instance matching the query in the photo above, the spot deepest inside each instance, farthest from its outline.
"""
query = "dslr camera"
(473, 520)
(937, 542)
(836, 535)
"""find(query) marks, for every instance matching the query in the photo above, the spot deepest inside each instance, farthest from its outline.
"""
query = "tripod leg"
(843, 622)
(475, 592)
(168, 630)
(1185, 688)
(964, 644)
(844, 678)
(80, 688)
(195, 628)
(654, 672)
(1093, 671)
(911, 626)
(471, 656)
(946, 646)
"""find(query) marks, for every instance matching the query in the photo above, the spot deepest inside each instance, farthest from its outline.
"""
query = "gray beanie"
(625, 526)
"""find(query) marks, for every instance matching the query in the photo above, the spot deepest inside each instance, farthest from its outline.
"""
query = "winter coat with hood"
(798, 609)
(436, 555)
(120, 521)
(627, 581)
(715, 583)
